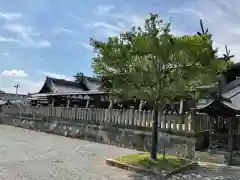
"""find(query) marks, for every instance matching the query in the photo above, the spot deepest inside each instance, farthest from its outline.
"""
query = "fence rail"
(126, 118)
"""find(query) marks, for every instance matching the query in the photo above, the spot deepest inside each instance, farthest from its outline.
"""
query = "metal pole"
(16, 86)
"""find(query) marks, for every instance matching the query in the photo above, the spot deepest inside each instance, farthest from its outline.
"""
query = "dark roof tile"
(64, 86)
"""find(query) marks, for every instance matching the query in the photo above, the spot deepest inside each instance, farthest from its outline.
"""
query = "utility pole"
(16, 86)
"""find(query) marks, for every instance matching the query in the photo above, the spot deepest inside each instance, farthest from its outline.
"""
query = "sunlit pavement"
(29, 155)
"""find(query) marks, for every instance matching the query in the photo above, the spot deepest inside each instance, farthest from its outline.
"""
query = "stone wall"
(140, 140)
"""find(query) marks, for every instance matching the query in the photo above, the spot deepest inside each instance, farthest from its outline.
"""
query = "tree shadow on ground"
(205, 172)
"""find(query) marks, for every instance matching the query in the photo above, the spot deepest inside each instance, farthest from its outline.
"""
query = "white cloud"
(15, 73)
(25, 34)
(55, 75)
(102, 9)
(43, 43)
(108, 29)
(9, 40)
(37, 44)
(85, 45)
(220, 17)
(10, 16)
(188, 11)
(9, 79)
(26, 85)
(130, 20)
(63, 30)
(19, 28)
(76, 18)
(106, 25)
(122, 23)
(114, 29)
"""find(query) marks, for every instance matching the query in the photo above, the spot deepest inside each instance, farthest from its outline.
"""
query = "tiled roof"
(93, 84)
(64, 86)
(231, 92)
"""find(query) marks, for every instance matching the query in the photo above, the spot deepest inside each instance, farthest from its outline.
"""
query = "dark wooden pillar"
(231, 129)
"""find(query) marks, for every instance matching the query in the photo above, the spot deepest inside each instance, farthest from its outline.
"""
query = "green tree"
(152, 64)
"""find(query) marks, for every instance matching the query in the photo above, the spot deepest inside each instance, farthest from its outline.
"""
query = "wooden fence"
(126, 118)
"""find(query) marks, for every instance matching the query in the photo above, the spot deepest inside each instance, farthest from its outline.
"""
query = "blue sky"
(51, 37)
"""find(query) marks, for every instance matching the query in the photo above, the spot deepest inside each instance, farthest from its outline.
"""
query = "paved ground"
(29, 155)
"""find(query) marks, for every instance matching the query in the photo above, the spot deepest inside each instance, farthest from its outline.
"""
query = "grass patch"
(144, 160)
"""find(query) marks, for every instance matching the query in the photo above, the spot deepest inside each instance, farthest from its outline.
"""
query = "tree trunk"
(154, 132)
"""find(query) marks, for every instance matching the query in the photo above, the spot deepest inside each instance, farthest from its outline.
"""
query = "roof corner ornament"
(79, 77)
(226, 56)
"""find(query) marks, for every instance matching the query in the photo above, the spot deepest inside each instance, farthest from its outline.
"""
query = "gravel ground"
(29, 155)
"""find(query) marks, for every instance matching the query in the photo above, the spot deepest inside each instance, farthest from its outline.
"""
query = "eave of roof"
(232, 92)
(70, 93)
(218, 108)
(57, 85)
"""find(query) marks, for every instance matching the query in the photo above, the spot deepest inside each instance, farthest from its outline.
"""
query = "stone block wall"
(140, 140)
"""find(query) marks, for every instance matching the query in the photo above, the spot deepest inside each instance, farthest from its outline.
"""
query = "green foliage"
(152, 64)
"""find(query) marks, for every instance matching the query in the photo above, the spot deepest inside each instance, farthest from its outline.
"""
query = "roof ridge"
(60, 79)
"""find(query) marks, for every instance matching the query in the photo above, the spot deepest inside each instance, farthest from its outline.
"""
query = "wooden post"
(210, 132)
(193, 120)
(182, 111)
(62, 111)
(132, 115)
(181, 107)
(68, 103)
(53, 101)
(110, 104)
(110, 111)
(75, 111)
(91, 114)
(140, 105)
(87, 104)
(21, 110)
(50, 110)
(230, 139)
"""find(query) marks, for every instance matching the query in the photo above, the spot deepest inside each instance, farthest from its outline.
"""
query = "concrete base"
(157, 173)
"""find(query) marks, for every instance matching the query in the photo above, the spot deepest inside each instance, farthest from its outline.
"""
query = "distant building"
(13, 98)
(83, 92)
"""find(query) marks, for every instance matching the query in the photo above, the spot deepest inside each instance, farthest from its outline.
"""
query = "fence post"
(91, 113)
(62, 111)
(20, 109)
(33, 112)
(131, 115)
(110, 109)
(50, 110)
(75, 112)
(86, 115)
(193, 120)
